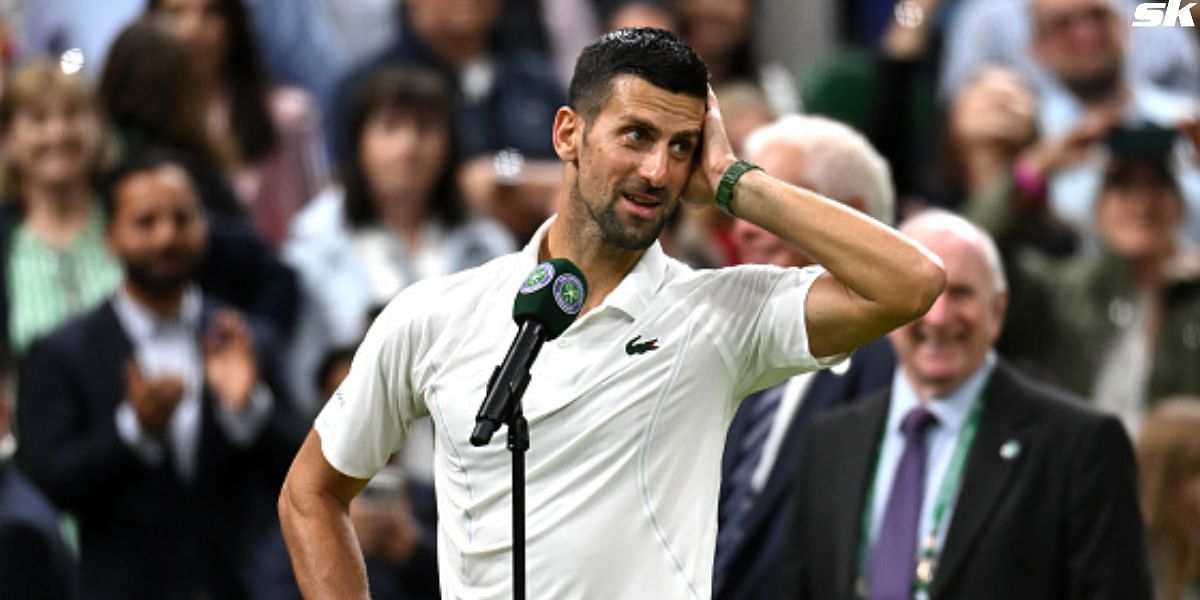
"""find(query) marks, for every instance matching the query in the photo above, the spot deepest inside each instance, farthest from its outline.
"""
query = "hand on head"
(713, 158)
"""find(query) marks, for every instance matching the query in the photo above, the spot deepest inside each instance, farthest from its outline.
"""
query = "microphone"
(547, 304)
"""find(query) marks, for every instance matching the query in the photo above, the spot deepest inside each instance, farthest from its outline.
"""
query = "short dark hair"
(150, 159)
(654, 55)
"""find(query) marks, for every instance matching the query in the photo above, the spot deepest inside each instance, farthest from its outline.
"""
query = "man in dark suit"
(34, 561)
(158, 419)
(965, 479)
(759, 465)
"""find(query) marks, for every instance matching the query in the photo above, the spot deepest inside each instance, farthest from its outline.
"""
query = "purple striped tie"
(894, 558)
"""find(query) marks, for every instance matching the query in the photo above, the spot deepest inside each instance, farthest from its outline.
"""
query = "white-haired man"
(964, 479)
(759, 462)
(822, 155)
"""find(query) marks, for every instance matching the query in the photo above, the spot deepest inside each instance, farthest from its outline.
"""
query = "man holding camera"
(1082, 46)
(1122, 325)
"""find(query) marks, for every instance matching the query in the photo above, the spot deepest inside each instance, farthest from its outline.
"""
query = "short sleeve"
(367, 419)
(769, 329)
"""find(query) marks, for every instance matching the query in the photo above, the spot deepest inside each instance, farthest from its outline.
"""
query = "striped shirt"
(48, 285)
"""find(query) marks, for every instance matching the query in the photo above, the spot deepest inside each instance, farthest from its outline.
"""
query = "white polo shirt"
(626, 438)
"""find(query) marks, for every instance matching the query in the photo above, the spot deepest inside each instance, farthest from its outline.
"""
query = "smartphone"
(1144, 141)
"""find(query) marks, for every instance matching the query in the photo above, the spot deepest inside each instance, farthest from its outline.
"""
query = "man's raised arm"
(314, 510)
(878, 278)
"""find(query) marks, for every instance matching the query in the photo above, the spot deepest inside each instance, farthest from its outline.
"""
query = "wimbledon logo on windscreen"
(538, 279)
(568, 293)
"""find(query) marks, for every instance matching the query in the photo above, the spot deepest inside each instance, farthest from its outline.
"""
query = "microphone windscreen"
(552, 294)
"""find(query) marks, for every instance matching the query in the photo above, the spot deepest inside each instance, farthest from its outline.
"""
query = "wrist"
(1030, 182)
(717, 171)
(725, 188)
(1043, 159)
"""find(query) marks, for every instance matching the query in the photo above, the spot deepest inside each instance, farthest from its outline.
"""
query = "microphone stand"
(518, 443)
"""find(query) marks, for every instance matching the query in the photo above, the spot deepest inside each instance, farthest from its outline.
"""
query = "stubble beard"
(156, 284)
(613, 230)
(1098, 87)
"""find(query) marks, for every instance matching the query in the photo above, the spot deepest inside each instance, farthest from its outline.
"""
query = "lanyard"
(927, 563)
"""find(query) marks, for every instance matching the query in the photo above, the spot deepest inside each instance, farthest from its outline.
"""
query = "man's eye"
(635, 135)
(682, 148)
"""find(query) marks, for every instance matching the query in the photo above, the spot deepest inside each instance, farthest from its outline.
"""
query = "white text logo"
(1163, 14)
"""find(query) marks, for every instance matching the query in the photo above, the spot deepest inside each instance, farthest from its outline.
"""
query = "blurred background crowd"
(285, 167)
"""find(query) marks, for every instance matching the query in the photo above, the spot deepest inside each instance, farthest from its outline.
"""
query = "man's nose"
(654, 166)
(164, 232)
(939, 312)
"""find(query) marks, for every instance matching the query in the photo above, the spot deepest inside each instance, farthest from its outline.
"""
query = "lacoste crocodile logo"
(633, 347)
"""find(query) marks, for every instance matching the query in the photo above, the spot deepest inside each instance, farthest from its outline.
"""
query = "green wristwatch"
(728, 180)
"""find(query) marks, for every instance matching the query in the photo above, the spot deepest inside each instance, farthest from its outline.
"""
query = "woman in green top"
(52, 253)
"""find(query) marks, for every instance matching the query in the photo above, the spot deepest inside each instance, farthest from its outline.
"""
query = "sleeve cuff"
(824, 362)
(130, 430)
(242, 427)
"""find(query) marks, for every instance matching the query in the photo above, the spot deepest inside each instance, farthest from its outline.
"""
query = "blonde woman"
(53, 260)
(1169, 459)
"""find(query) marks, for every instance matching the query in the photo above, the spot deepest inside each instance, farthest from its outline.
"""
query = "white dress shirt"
(952, 412)
(171, 346)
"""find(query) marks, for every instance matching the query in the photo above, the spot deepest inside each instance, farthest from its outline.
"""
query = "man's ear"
(568, 134)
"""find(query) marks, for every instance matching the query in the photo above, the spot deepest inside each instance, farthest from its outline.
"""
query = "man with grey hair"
(825, 156)
(759, 463)
(964, 479)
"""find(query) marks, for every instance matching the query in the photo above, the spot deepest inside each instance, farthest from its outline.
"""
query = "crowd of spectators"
(204, 203)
